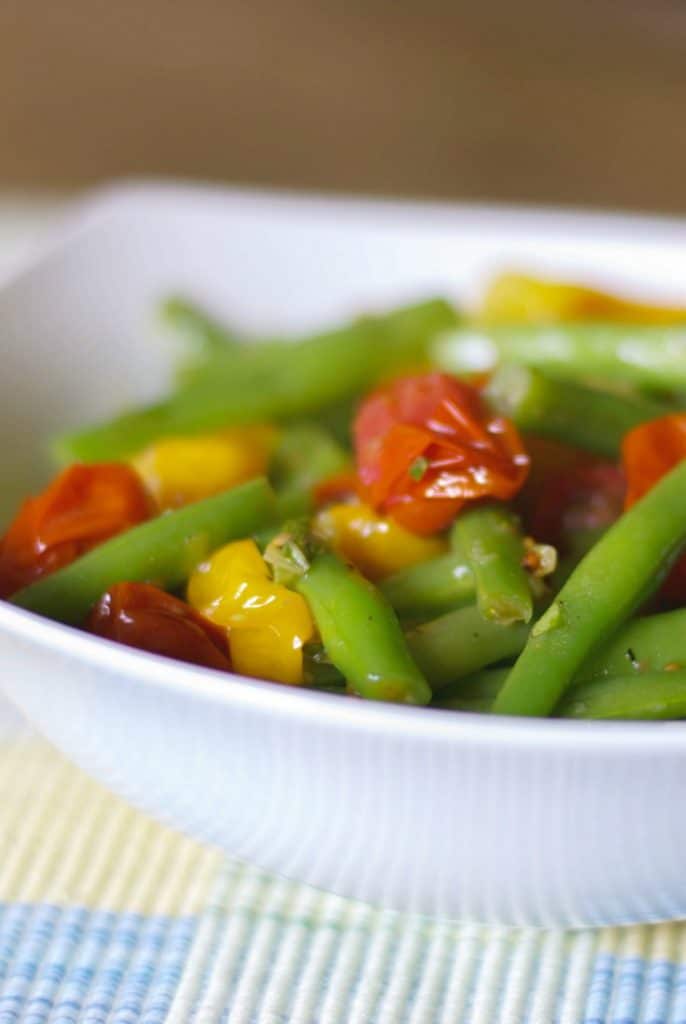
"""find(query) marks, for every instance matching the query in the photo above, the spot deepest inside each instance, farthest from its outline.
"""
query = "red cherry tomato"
(649, 451)
(569, 490)
(82, 507)
(427, 444)
(142, 616)
(339, 487)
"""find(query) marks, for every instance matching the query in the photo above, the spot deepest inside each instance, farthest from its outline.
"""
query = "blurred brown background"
(581, 102)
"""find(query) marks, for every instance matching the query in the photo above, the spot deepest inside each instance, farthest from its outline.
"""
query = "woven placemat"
(106, 916)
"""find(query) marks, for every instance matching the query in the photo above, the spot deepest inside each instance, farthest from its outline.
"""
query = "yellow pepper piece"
(519, 298)
(268, 623)
(180, 470)
(376, 545)
(262, 654)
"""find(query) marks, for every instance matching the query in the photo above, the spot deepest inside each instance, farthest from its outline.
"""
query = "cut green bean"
(489, 538)
(647, 355)
(360, 633)
(647, 644)
(643, 695)
(654, 645)
(304, 455)
(581, 416)
(273, 382)
(429, 589)
(337, 419)
(577, 544)
(479, 686)
(626, 565)
(202, 335)
(474, 705)
(319, 672)
(162, 551)
(451, 651)
(227, 364)
(640, 696)
(463, 642)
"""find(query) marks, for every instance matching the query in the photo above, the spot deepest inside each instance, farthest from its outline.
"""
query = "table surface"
(107, 917)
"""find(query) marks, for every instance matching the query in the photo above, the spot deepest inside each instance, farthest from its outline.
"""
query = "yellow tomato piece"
(224, 579)
(265, 654)
(268, 623)
(519, 298)
(376, 545)
(180, 470)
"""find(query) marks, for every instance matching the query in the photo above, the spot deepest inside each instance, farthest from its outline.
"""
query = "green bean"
(163, 551)
(304, 455)
(652, 645)
(475, 705)
(319, 672)
(203, 335)
(643, 695)
(622, 570)
(482, 686)
(577, 415)
(647, 644)
(489, 537)
(647, 355)
(273, 382)
(577, 543)
(463, 642)
(451, 651)
(360, 633)
(337, 419)
(228, 364)
(430, 588)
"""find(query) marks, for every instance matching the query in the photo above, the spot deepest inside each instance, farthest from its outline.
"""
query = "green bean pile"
(558, 593)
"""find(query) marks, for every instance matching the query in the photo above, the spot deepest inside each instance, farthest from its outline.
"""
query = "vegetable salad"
(481, 512)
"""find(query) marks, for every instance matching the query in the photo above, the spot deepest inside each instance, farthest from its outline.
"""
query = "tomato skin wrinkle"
(434, 421)
(80, 508)
(145, 617)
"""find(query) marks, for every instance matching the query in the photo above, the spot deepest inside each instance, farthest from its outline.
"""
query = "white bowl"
(516, 821)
